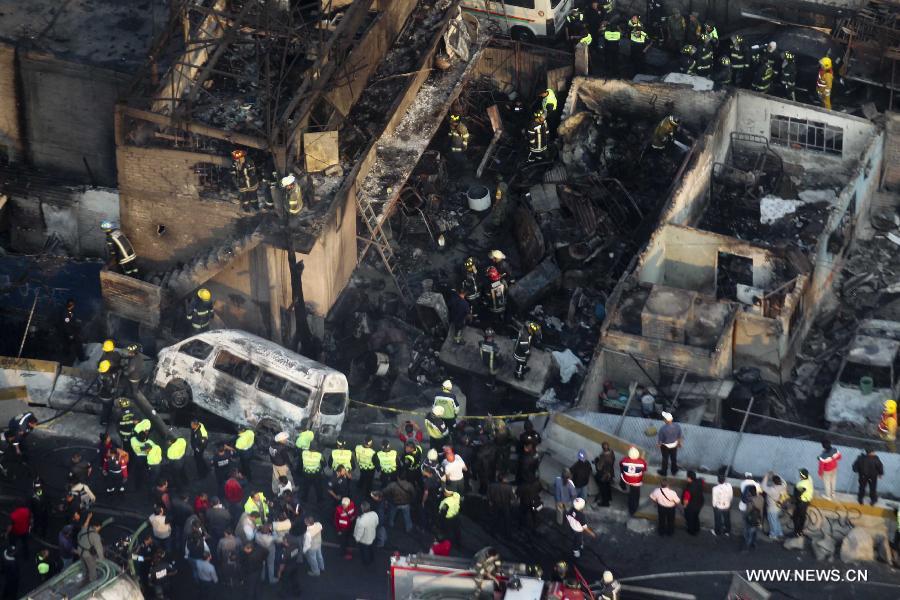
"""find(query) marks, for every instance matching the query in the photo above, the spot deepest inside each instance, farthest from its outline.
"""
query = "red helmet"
(493, 274)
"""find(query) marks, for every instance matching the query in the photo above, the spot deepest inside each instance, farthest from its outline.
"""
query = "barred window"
(802, 133)
(214, 181)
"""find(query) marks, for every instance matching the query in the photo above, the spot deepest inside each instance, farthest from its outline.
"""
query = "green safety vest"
(449, 405)
(638, 37)
(364, 458)
(143, 425)
(341, 456)
(586, 40)
(433, 431)
(549, 103)
(137, 447)
(250, 505)
(176, 450)
(612, 35)
(387, 461)
(806, 490)
(154, 456)
(43, 567)
(245, 440)
(452, 503)
(312, 461)
(305, 439)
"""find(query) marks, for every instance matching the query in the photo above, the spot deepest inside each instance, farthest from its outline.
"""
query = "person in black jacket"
(692, 499)
(869, 469)
(581, 474)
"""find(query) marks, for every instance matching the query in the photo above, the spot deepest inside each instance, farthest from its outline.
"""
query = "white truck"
(523, 20)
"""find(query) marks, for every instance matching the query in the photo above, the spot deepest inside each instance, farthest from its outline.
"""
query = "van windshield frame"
(333, 403)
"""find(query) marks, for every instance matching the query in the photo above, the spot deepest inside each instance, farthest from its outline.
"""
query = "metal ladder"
(380, 241)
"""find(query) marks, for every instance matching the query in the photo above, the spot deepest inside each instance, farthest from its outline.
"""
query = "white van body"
(522, 19)
(251, 381)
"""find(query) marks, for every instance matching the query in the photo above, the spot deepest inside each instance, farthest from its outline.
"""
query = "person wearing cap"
(341, 455)
(632, 469)
(581, 474)
(666, 499)
(411, 462)
(578, 524)
(365, 455)
(70, 327)
(312, 463)
(119, 251)
(200, 312)
(175, 461)
(387, 463)
(803, 495)
(278, 455)
(722, 496)
(669, 439)
(446, 399)
(610, 588)
(199, 441)
(107, 381)
(243, 447)
(436, 428)
(828, 465)
(246, 179)
(459, 135)
(344, 519)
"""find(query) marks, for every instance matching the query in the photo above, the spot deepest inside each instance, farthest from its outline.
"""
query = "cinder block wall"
(10, 135)
(159, 187)
(891, 180)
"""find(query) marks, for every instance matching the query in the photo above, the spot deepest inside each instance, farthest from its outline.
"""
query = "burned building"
(749, 242)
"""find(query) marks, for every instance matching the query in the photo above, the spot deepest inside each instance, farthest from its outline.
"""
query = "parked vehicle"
(522, 20)
(251, 381)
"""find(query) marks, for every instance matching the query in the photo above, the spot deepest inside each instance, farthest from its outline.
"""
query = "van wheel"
(178, 394)
(521, 34)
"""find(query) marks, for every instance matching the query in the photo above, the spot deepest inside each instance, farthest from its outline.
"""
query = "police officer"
(739, 59)
(313, 462)
(154, 459)
(576, 29)
(412, 461)
(490, 355)
(612, 35)
(387, 462)
(436, 428)
(548, 101)
(70, 327)
(365, 454)
(200, 312)
(199, 441)
(447, 399)
(304, 439)
(243, 446)
(522, 348)
(341, 455)
(138, 468)
(175, 461)
(788, 75)
(106, 381)
(246, 179)
(448, 510)
(638, 38)
(470, 283)
(538, 133)
(119, 250)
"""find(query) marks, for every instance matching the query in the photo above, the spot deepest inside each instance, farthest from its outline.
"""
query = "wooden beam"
(240, 139)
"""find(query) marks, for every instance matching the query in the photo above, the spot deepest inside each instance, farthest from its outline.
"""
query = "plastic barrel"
(866, 384)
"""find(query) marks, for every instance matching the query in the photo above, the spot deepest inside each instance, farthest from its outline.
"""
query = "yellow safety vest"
(312, 461)
(452, 503)
(305, 439)
(250, 505)
(43, 567)
(806, 490)
(638, 37)
(364, 458)
(549, 103)
(245, 440)
(433, 431)
(387, 461)
(143, 425)
(154, 456)
(448, 403)
(176, 450)
(341, 456)
(137, 447)
(612, 35)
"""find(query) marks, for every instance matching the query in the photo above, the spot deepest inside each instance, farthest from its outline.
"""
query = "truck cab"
(524, 20)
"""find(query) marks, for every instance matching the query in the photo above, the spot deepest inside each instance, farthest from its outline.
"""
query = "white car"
(522, 20)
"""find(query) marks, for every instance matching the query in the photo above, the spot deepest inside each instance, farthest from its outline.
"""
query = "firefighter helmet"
(204, 294)
(123, 403)
(104, 366)
(890, 406)
(488, 333)
(238, 154)
(725, 61)
(109, 346)
(772, 47)
(493, 274)
(736, 40)
(340, 443)
(437, 410)
(133, 348)
(497, 255)
(539, 114)
(788, 55)
(533, 327)
(107, 226)
(447, 386)
(575, 15)
(454, 118)
(674, 120)
(688, 49)
(825, 62)
(470, 264)
(709, 27)
(288, 180)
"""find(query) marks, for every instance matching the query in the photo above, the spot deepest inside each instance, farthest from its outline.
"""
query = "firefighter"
(446, 399)
(770, 55)
(111, 355)
(500, 210)
(134, 369)
(496, 294)
(705, 56)
(448, 510)
(387, 462)
(341, 455)
(498, 260)
(292, 194)
(689, 59)
(364, 460)
(522, 348)
(788, 75)
(201, 311)
(762, 79)
(612, 35)
(243, 447)
(824, 82)
(721, 75)
(199, 441)
(246, 179)
(126, 421)
(675, 28)
(459, 136)
(70, 327)
(313, 462)
(638, 38)
(538, 133)
(887, 428)
(119, 250)
(490, 355)
(107, 381)
(470, 283)
(664, 133)
(738, 59)
(436, 428)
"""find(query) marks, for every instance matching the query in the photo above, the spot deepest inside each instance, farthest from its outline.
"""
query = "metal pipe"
(28, 324)
(737, 444)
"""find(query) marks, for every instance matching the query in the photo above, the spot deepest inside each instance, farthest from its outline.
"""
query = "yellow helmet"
(825, 62)
(470, 264)
(123, 403)
(104, 366)
(454, 118)
(204, 294)
(890, 406)
(109, 346)
(533, 327)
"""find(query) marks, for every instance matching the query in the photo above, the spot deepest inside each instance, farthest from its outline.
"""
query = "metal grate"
(812, 135)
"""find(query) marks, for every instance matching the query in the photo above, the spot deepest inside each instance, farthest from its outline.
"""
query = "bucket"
(866, 384)
(479, 198)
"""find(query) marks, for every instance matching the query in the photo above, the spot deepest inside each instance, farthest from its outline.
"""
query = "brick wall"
(891, 179)
(10, 136)
(160, 187)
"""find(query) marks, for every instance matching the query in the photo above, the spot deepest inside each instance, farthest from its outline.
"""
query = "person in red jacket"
(632, 468)
(828, 464)
(19, 527)
(344, 517)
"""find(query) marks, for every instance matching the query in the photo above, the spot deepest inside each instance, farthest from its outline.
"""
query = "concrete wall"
(69, 117)
(159, 187)
(10, 132)
(891, 180)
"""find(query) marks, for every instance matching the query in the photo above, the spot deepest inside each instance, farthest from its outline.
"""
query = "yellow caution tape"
(490, 417)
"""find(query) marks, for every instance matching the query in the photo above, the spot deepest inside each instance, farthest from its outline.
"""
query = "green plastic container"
(865, 385)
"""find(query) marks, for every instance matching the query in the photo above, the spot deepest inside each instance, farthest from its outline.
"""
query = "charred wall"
(10, 132)
(891, 179)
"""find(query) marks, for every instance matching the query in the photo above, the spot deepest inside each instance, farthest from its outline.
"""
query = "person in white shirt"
(364, 532)
(206, 575)
(747, 482)
(666, 500)
(776, 491)
(162, 528)
(312, 547)
(454, 470)
(722, 495)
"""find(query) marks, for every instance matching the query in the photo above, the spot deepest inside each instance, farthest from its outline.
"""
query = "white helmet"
(288, 180)
(578, 503)
(497, 255)
(432, 454)
(447, 386)
(607, 577)
(634, 453)
(772, 46)
(438, 411)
